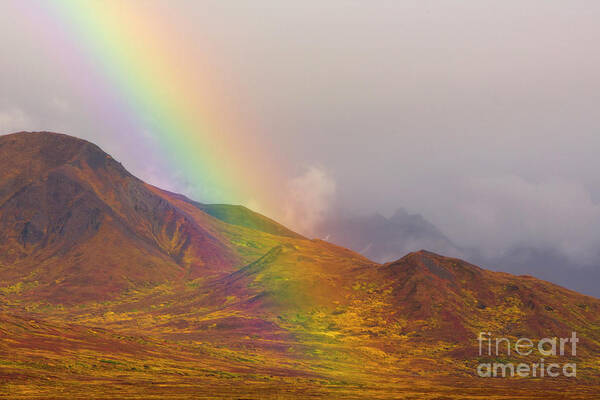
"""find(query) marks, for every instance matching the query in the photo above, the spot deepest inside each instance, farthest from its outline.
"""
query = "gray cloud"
(13, 119)
(499, 213)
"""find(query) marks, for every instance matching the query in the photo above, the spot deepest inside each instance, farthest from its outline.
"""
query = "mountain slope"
(66, 206)
(457, 300)
(385, 239)
(76, 226)
(98, 265)
(236, 215)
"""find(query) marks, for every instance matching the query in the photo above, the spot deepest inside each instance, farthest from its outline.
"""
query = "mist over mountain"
(386, 239)
(546, 263)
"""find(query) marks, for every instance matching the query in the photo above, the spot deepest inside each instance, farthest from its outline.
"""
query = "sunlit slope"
(242, 216)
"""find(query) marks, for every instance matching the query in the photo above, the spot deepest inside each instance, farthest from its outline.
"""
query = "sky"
(481, 116)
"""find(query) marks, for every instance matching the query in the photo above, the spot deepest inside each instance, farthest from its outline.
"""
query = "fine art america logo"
(547, 347)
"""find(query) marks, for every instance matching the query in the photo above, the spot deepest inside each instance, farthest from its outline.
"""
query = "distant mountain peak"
(384, 239)
(400, 212)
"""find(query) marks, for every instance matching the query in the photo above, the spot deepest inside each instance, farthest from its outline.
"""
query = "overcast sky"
(482, 116)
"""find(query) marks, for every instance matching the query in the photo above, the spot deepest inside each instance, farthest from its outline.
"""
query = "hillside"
(105, 279)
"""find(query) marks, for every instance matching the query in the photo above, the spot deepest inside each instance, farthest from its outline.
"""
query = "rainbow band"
(167, 95)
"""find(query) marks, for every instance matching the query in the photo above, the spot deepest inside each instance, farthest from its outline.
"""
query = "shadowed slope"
(454, 299)
(75, 224)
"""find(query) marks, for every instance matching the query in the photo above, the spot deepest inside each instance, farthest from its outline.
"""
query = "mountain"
(111, 287)
(65, 206)
(384, 239)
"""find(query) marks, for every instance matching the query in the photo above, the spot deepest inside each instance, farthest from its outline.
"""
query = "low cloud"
(309, 198)
(13, 119)
(60, 105)
(497, 214)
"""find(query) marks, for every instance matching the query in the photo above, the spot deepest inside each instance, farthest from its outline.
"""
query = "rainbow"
(142, 61)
